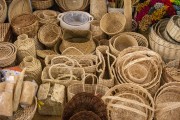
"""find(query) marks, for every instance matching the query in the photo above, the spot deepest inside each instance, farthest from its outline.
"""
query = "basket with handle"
(96, 89)
(42, 4)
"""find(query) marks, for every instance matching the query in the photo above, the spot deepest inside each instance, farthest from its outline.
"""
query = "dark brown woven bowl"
(85, 115)
(85, 102)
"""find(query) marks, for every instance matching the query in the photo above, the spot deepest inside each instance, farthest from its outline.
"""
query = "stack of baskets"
(164, 38)
(141, 66)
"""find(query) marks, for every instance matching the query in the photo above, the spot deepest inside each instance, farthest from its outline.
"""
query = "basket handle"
(165, 107)
(93, 80)
(59, 17)
(74, 49)
(91, 18)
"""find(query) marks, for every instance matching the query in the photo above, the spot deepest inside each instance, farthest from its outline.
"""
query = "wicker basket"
(167, 101)
(19, 7)
(118, 25)
(25, 24)
(85, 115)
(49, 34)
(129, 102)
(3, 11)
(85, 101)
(33, 70)
(96, 89)
(42, 4)
(25, 46)
(6, 33)
(7, 54)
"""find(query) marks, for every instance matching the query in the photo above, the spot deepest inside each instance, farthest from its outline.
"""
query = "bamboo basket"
(49, 34)
(42, 4)
(167, 101)
(85, 101)
(118, 25)
(7, 54)
(25, 46)
(18, 7)
(85, 115)
(129, 101)
(25, 24)
(5, 34)
(3, 11)
(94, 88)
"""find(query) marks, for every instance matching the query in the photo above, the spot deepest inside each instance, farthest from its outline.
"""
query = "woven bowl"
(42, 4)
(113, 23)
(49, 34)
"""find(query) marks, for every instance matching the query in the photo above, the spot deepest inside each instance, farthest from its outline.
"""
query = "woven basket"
(171, 71)
(19, 7)
(42, 4)
(96, 89)
(129, 102)
(173, 28)
(85, 102)
(72, 51)
(6, 33)
(167, 101)
(85, 115)
(7, 54)
(33, 68)
(80, 39)
(44, 53)
(25, 46)
(105, 66)
(151, 68)
(25, 24)
(49, 34)
(118, 25)
(3, 11)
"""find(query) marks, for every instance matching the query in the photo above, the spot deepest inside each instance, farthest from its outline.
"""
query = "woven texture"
(3, 11)
(5, 34)
(42, 4)
(85, 115)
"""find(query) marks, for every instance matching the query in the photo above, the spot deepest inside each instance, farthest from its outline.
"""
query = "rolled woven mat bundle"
(171, 72)
(161, 41)
(167, 102)
(129, 102)
(49, 34)
(42, 4)
(5, 32)
(85, 102)
(7, 54)
(90, 84)
(105, 66)
(3, 11)
(25, 47)
(25, 24)
(124, 40)
(80, 39)
(139, 65)
(33, 68)
(46, 16)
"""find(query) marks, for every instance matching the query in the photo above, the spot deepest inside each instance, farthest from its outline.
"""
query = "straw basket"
(3, 11)
(96, 89)
(5, 34)
(49, 34)
(171, 71)
(25, 46)
(85, 115)
(113, 23)
(149, 66)
(129, 102)
(25, 24)
(44, 53)
(7, 54)
(167, 101)
(85, 102)
(42, 4)
(72, 51)
(33, 68)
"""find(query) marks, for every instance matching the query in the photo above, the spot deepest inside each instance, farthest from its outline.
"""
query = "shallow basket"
(42, 4)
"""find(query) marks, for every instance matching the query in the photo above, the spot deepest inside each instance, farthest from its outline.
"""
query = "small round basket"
(42, 4)
(113, 23)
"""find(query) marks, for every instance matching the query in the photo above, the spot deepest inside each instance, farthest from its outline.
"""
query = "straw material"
(44, 53)
(33, 68)
(39, 45)
(105, 67)
(42, 4)
(167, 101)
(128, 14)
(72, 51)
(129, 102)
(3, 11)
(94, 88)
(25, 46)
(85, 115)
(113, 23)
(18, 7)
(85, 102)
(25, 24)
(7, 54)
(49, 34)
(173, 28)
(5, 34)
(80, 39)
(149, 70)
